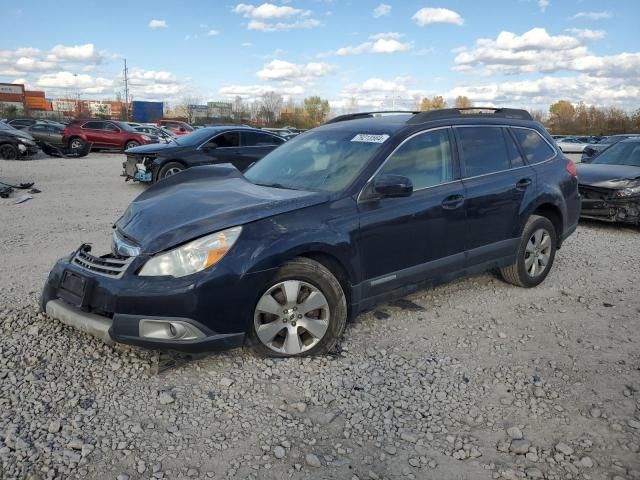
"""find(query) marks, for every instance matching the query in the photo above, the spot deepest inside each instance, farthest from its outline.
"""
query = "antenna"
(126, 90)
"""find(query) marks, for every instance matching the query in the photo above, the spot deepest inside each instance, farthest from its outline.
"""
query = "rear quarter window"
(535, 148)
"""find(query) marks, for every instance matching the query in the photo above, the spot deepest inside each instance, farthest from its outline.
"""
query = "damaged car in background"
(16, 144)
(610, 184)
(240, 146)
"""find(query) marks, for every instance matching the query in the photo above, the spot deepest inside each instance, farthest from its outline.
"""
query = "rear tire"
(536, 253)
(169, 169)
(310, 322)
(8, 151)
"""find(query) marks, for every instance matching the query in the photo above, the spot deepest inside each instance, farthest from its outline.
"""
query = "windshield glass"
(622, 153)
(323, 160)
(5, 126)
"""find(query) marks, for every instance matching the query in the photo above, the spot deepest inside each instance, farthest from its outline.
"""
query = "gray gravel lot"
(472, 380)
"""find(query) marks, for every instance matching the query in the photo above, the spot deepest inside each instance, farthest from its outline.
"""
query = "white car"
(571, 145)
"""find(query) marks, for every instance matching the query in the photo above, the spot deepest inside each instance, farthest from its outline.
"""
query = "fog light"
(169, 330)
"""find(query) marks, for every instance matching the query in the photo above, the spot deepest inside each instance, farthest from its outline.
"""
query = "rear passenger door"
(498, 186)
(255, 145)
(94, 132)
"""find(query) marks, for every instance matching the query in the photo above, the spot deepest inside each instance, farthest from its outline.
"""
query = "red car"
(102, 134)
(176, 126)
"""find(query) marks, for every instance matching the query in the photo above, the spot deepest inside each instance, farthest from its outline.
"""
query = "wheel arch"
(335, 266)
(554, 215)
(158, 163)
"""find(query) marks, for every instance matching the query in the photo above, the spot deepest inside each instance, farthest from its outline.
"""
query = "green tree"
(316, 108)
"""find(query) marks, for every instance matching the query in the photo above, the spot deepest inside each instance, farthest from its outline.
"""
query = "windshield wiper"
(276, 185)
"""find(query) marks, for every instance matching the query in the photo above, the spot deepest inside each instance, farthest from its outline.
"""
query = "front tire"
(536, 253)
(76, 143)
(131, 144)
(8, 152)
(302, 312)
(169, 169)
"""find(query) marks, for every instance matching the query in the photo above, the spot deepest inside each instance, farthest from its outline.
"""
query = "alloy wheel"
(76, 144)
(537, 253)
(172, 171)
(291, 317)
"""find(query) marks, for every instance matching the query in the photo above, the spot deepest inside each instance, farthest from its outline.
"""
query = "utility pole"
(126, 90)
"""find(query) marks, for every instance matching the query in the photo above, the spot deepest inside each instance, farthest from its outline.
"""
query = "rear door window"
(512, 150)
(257, 139)
(93, 126)
(482, 150)
(535, 148)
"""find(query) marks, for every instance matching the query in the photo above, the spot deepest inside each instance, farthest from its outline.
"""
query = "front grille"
(592, 193)
(107, 265)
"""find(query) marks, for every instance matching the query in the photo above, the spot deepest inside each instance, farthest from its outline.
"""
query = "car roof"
(634, 139)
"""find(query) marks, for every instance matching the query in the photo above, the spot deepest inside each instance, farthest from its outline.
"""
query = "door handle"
(523, 183)
(452, 202)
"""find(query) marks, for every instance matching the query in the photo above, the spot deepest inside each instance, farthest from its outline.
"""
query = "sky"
(356, 53)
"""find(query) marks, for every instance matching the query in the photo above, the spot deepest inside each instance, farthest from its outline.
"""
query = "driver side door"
(223, 148)
(403, 241)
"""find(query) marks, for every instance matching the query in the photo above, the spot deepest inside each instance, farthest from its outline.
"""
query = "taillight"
(571, 168)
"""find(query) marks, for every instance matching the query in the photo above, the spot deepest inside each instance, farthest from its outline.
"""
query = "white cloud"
(212, 33)
(63, 80)
(246, 44)
(543, 4)
(253, 92)
(275, 18)
(381, 10)
(427, 16)
(78, 53)
(155, 24)
(29, 64)
(378, 93)
(536, 51)
(281, 71)
(544, 91)
(591, 15)
(268, 11)
(587, 34)
(380, 43)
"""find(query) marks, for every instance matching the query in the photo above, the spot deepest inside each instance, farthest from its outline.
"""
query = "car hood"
(607, 176)
(18, 133)
(203, 200)
(156, 148)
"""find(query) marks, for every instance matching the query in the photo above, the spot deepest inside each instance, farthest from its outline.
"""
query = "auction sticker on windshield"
(370, 138)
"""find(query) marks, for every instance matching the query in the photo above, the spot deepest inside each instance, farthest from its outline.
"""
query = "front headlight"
(628, 192)
(192, 257)
(146, 137)
(26, 141)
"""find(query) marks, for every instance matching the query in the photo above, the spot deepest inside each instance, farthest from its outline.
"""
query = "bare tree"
(463, 102)
(270, 107)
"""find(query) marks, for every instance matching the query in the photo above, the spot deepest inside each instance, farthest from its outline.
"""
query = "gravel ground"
(476, 379)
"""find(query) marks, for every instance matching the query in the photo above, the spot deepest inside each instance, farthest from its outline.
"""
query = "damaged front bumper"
(138, 169)
(602, 204)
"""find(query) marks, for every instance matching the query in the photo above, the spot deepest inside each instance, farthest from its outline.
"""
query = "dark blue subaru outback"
(364, 209)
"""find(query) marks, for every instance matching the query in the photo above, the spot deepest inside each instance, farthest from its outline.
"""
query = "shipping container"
(147, 112)
(63, 105)
(35, 103)
(12, 88)
(11, 97)
(34, 93)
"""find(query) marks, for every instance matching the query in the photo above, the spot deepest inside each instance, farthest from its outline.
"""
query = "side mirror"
(393, 186)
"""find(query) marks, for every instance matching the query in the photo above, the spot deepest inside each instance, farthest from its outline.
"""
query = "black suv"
(359, 211)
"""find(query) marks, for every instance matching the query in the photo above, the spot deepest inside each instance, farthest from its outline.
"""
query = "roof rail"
(445, 113)
(355, 116)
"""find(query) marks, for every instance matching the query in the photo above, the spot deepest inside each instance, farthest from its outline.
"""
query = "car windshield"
(4, 126)
(323, 160)
(622, 153)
